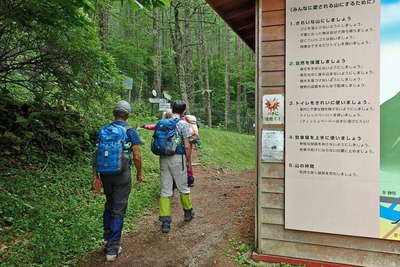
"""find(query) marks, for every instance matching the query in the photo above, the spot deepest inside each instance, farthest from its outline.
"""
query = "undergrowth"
(228, 150)
(48, 216)
(240, 253)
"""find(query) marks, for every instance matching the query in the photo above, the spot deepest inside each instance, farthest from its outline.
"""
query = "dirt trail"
(224, 204)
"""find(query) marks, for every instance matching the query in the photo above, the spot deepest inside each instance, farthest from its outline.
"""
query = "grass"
(50, 218)
(228, 150)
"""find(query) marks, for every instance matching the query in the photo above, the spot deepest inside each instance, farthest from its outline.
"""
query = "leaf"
(17, 148)
(165, 2)
(9, 134)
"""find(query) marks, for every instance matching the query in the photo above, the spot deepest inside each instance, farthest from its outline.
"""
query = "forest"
(63, 66)
(84, 54)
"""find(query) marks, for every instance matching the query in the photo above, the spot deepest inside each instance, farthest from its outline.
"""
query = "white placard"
(164, 106)
(158, 100)
(332, 116)
(273, 109)
(272, 146)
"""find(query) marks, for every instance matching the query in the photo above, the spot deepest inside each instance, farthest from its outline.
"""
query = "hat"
(123, 106)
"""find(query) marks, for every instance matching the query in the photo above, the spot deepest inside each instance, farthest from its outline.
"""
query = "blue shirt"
(133, 136)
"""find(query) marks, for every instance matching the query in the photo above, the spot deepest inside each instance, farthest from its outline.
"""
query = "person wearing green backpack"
(112, 168)
(171, 142)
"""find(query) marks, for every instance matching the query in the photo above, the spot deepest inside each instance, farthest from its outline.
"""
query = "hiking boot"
(165, 227)
(113, 257)
(188, 216)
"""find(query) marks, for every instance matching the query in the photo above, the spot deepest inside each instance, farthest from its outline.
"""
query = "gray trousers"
(173, 168)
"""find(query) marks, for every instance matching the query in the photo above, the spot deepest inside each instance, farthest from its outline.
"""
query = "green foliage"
(218, 144)
(51, 48)
(58, 85)
(50, 217)
(31, 131)
(240, 252)
(135, 4)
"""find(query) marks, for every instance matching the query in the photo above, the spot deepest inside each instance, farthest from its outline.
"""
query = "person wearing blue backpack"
(112, 166)
(171, 143)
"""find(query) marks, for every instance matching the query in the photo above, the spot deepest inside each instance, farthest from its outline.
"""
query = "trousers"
(173, 168)
(117, 189)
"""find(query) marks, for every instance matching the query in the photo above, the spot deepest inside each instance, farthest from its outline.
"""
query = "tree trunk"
(177, 45)
(188, 58)
(239, 84)
(103, 16)
(204, 56)
(227, 76)
(157, 42)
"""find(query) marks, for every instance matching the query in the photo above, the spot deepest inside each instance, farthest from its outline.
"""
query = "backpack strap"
(177, 120)
(124, 129)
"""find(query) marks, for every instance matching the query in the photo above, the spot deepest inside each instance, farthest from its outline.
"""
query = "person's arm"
(137, 159)
(188, 150)
(149, 127)
(96, 182)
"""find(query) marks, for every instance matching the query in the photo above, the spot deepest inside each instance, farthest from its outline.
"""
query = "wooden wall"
(272, 237)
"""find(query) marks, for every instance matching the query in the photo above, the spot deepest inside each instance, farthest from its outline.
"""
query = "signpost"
(158, 100)
(164, 106)
(163, 103)
(167, 96)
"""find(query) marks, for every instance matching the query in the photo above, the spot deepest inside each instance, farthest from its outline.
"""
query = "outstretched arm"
(149, 127)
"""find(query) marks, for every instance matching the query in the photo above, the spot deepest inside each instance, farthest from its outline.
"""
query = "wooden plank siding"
(272, 237)
(330, 254)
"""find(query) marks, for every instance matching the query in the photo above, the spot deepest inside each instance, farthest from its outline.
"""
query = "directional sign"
(158, 100)
(164, 106)
(166, 95)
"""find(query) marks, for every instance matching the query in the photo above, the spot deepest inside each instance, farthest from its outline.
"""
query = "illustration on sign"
(389, 207)
(272, 146)
(273, 109)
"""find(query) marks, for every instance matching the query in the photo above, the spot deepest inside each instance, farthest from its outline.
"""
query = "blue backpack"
(166, 140)
(113, 154)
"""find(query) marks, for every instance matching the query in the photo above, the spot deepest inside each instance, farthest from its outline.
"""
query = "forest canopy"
(77, 56)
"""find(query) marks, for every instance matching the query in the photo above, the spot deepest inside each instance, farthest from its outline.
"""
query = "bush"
(37, 130)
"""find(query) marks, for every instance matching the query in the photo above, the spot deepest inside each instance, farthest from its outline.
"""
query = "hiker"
(166, 115)
(194, 138)
(112, 164)
(171, 143)
(194, 141)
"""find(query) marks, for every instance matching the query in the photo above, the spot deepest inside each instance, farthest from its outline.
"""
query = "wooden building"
(261, 24)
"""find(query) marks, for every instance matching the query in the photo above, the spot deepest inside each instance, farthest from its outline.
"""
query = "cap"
(123, 106)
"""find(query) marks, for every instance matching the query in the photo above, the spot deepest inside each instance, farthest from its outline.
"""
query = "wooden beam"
(295, 261)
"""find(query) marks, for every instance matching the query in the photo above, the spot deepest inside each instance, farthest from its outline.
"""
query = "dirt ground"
(224, 204)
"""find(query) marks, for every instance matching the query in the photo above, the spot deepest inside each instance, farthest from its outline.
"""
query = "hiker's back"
(167, 140)
(113, 153)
